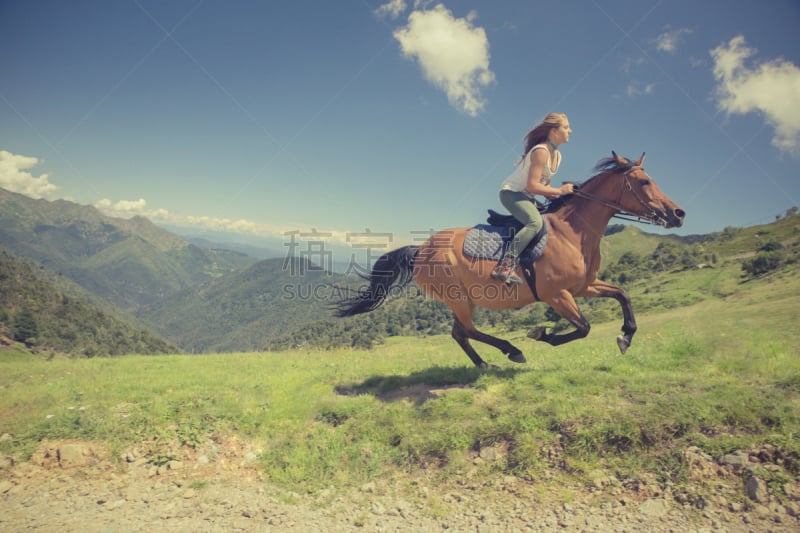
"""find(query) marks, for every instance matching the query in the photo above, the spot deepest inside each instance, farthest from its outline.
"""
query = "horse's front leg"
(563, 304)
(601, 289)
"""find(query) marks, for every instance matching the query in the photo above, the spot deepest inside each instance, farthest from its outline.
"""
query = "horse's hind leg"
(514, 353)
(463, 330)
(462, 338)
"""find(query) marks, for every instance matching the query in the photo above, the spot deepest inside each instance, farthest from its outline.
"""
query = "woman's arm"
(535, 185)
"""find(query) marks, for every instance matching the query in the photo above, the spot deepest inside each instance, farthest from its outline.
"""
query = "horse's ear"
(640, 161)
(620, 160)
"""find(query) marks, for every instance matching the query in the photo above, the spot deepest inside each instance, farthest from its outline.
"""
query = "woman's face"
(561, 134)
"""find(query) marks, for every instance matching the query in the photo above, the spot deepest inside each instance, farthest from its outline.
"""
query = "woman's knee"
(533, 225)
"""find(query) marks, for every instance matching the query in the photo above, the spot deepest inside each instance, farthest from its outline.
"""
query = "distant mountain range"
(127, 262)
(132, 284)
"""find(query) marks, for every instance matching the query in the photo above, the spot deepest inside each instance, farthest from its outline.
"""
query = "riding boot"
(505, 271)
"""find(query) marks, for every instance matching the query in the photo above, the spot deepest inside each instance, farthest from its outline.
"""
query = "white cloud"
(771, 88)
(632, 62)
(393, 9)
(14, 176)
(669, 40)
(130, 208)
(122, 208)
(636, 89)
(453, 55)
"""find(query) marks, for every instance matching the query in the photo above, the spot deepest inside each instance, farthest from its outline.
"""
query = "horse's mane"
(604, 166)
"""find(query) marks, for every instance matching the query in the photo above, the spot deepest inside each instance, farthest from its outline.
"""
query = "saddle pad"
(485, 242)
(490, 242)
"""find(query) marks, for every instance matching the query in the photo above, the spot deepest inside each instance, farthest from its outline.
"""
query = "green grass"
(722, 374)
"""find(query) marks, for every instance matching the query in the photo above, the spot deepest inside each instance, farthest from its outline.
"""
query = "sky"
(357, 121)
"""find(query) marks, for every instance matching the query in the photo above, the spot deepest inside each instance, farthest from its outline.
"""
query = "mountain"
(35, 312)
(278, 304)
(243, 309)
(254, 246)
(127, 262)
(206, 300)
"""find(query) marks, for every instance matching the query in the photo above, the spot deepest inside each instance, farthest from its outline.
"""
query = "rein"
(622, 213)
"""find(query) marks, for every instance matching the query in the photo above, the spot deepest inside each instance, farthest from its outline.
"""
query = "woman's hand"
(567, 188)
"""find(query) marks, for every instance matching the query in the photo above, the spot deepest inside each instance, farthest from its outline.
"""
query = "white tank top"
(518, 180)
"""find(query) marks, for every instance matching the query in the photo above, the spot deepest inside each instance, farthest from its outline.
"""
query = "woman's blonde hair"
(539, 132)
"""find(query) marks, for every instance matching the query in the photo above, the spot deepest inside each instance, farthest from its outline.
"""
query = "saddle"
(491, 240)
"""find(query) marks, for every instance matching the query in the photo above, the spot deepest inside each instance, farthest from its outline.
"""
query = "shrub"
(763, 263)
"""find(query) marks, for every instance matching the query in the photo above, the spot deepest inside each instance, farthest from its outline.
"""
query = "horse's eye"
(645, 182)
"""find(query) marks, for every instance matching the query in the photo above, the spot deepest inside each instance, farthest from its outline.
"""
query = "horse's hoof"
(517, 357)
(537, 334)
(623, 343)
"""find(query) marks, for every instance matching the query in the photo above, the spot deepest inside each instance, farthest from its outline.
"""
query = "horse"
(568, 267)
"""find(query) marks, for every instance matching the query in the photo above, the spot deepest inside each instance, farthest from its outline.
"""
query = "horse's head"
(635, 192)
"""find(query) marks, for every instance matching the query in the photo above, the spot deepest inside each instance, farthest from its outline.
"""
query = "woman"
(539, 163)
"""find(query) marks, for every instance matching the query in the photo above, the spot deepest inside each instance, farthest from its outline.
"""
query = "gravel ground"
(75, 486)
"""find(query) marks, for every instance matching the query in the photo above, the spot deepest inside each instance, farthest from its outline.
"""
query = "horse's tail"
(392, 270)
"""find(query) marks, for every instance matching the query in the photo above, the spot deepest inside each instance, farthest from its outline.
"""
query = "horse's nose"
(678, 214)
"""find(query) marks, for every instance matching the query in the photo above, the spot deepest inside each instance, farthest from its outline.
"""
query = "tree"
(25, 327)
(771, 246)
(763, 263)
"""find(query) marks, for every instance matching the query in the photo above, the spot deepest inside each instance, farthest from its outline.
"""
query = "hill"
(211, 316)
(279, 305)
(36, 313)
(693, 429)
(127, 262)
(659, 271)
(207, 300)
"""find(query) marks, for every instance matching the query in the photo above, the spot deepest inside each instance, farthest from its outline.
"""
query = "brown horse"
(567, 269)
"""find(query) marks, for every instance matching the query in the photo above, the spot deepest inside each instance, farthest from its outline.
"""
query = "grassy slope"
(723, 374)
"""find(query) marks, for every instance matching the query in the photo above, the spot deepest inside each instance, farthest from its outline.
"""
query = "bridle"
(651, 217)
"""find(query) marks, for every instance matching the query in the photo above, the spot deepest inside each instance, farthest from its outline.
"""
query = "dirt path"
(75, 486)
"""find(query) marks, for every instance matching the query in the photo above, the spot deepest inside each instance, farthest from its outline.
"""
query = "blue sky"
(274, 119)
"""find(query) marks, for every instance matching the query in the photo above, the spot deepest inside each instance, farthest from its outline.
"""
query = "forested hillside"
(279, 304)
(660, 272)
(37, 314)
(213, 300)
(126, 262)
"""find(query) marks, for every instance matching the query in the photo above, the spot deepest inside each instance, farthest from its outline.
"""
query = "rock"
(73, 455)
(736, 460)
(250, 458)
(115, 505)
(735, 507)
(654, 508)
(488, 454)
(701, 465)
(6, 437)
(599, 478)
(792, 490)
(756, 489)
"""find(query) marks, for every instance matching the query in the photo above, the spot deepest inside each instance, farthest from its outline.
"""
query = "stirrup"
(504, 271)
